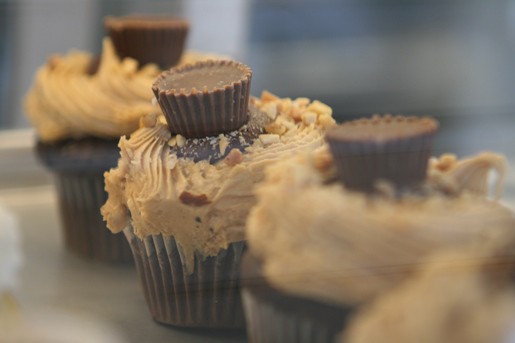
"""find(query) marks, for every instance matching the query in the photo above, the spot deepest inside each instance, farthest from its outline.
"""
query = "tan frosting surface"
(66, 102)
(464, 296)
(320, 241)
(203, 206)
(377, 128)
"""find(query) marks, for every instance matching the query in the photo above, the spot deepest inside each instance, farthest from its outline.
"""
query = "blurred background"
(452, 59)
(359, 56)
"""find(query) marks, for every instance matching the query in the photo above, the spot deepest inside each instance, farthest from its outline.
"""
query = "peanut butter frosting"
(317, 240)
(67, 101)
(204, 205)
(464, 296)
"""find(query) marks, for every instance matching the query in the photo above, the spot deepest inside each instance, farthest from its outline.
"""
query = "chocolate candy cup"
(148, 39)
(203, 149)
(395, 149)
(206, 98)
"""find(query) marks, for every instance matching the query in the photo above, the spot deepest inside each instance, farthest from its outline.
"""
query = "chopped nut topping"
(275, 128)
(270, 109)
(172, 141)
(267, 96)
(320, 108)
(161, 118)
(287, 122)
(309, 117)
(149, 120)
(181, 140)
(223, 144)
(267, 139)
(301, 102)
(295, 113)
(445, 162)
(285, 105)
(233, 158)
(190, 199)
(326, 121)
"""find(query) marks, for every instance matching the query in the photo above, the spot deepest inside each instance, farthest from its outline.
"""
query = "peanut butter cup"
(204, 99)
(395, 149)
(148, 39)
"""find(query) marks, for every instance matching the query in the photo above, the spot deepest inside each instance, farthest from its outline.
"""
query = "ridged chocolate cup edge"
(401, 160)
(196, 113)
(148, 39)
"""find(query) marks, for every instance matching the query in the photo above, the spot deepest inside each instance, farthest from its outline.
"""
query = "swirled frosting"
(318, 240)
(462, 296)
(204, 205)
(67, 101)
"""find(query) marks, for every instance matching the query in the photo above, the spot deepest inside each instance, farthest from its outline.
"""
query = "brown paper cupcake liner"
(208, 298)
(148, 39)
(80, 196)
(268, 323)
(275, 316)
(201, 113)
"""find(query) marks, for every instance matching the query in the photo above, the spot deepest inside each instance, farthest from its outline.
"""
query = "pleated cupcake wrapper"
(204, 113)
(160, 45)
(208, 298)
(402, 161)
(80, 196)
(268, 323)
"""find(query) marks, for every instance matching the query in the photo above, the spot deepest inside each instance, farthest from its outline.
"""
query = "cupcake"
(80, 105)
(333, 230)
(184, 186)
